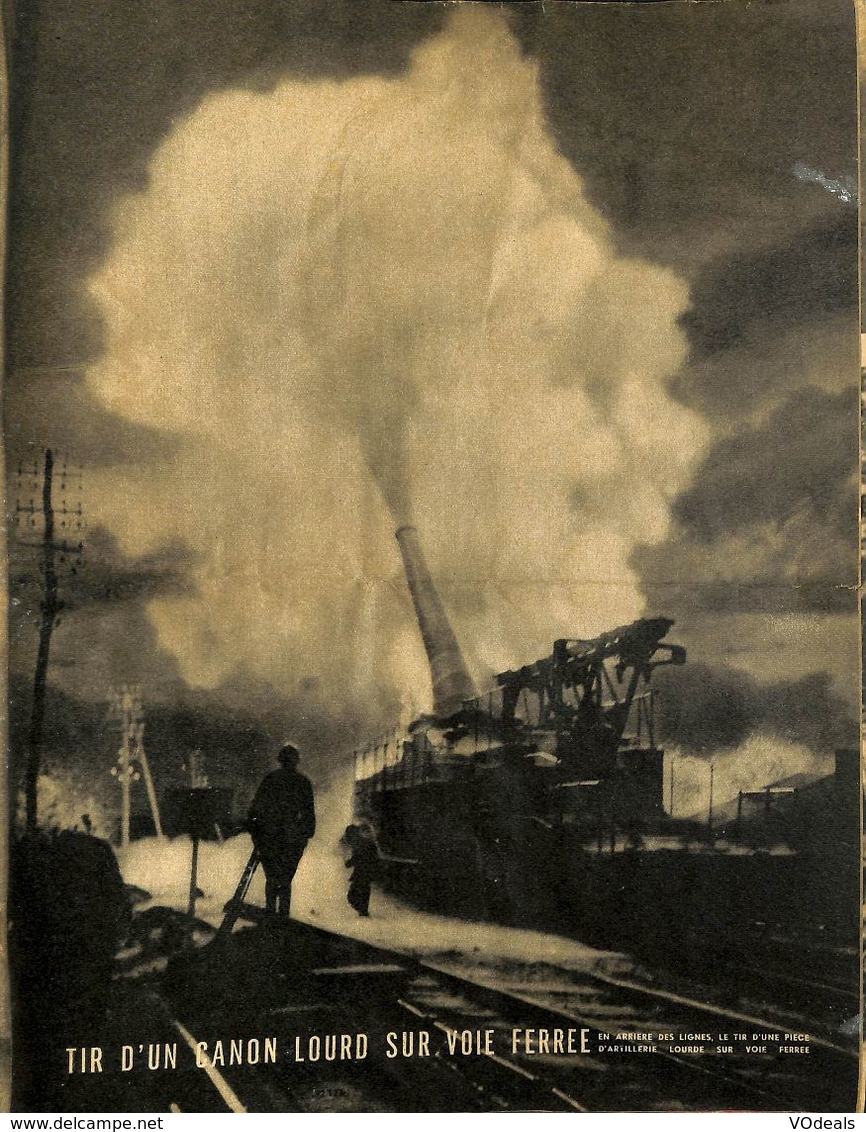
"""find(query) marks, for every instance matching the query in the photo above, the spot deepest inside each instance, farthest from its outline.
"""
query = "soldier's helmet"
(289, 756)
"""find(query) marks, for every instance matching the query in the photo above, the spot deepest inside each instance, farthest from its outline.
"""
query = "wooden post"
(148, 782)
(193, 878)
(125, 774)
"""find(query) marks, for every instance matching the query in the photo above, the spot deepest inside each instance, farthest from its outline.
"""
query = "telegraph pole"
(49, 615)
(51, 605)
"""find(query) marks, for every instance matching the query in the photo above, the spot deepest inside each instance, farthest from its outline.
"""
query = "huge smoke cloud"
(355, 302)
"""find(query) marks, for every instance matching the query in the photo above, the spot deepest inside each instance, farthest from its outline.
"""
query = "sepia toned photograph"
(432, 478)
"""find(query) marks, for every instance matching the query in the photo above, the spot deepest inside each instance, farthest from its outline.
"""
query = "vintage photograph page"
(432, 490)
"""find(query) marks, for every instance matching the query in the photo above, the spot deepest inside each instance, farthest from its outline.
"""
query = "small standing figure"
(282, 819)
(364, 859)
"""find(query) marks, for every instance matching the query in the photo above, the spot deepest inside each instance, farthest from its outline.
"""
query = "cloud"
(690, 179)
(107, 576)
(741, 384)
(97, 86)
(385, 293)
(749, 479)
(769, 519)
(775, 288)
(94, 572)
(55, 409)
(705, 708)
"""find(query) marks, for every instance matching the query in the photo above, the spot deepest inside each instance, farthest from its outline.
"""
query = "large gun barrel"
(452, 684)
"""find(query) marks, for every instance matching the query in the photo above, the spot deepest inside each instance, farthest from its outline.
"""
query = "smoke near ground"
(754, 764)
(319, 897)
(752, 732)
(357, 302)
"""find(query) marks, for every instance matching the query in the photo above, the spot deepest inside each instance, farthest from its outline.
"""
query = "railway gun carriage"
(541, 802)
(559, 757)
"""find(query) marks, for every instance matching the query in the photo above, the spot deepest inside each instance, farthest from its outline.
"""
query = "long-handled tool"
(236, 908)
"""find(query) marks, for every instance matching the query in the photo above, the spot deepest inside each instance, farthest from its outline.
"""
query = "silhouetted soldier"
(364, 859)
(282, 820)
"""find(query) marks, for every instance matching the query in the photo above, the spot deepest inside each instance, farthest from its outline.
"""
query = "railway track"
(438, 1040)
(828, 995)
(683, 1080)
(725, 971)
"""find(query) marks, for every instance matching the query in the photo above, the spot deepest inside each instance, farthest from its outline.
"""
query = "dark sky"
(717, 139)
(686, 120)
